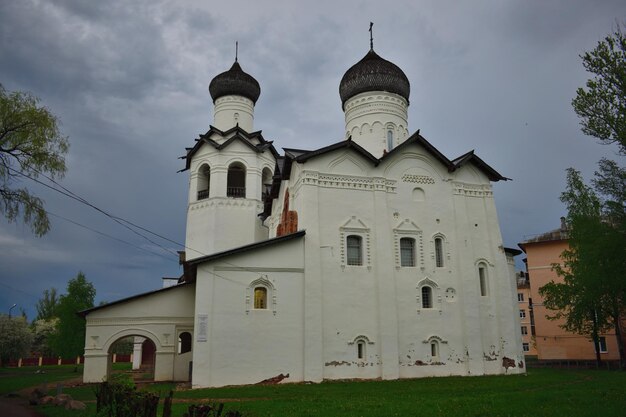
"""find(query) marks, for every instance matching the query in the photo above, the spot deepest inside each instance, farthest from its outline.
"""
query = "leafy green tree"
(30, 145)
(15, 338)
(69, 340)
(601, 107)
(47, 305)
(584, 298)
(592, 296)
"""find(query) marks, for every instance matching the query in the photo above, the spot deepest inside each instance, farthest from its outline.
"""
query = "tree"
(43, 331)
(592, 297)
(15, 338)
(69, 340)
(602, 106)
(584, 298)
(30, 145)
(47, 305)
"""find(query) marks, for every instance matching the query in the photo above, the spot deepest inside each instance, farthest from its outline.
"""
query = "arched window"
(482, 278)
(184, 342)
(389, 139)
(439, 252)
(204, 182)
(355, 250)
(434, 349)
(427, 297)
(360, 349)
(407, 251)
(236, 181)
(260, 298)
(266, 183)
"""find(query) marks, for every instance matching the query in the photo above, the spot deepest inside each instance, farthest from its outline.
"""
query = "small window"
(355, 250)
(482, 276)
(427, 297)
(389, 140)
(407, 251)
(522, 314)
(360, 349)
(602, 343)
(439, 252)
(184, 342)
(434, 349)
(524, 330)
(236, 181)
(204, 182)
(520, 296)
(525, 347)
(260, 298)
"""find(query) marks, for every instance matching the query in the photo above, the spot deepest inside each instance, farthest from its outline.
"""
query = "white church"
(373, 257)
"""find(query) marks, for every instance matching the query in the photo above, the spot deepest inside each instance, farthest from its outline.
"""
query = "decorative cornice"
(418, 179)
(472, 190)
(346, 182)
(226, 202)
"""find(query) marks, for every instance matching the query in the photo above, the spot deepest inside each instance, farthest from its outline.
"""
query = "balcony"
(236, 192)
(203, 194)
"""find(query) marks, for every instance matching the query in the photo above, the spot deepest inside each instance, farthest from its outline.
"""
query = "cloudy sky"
(128, 80)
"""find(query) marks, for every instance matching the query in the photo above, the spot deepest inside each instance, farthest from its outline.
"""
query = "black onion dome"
(373, 73)
(235, 82)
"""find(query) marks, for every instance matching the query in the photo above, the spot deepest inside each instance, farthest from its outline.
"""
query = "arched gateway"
(154, 316)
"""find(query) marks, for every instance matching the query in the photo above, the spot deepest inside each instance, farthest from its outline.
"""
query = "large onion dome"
(235, 82)
(373, 73)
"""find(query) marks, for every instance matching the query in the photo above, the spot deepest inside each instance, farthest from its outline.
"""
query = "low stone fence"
(43, 361)
(573, 364)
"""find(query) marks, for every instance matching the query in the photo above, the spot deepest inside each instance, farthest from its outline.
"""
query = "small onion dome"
(235, 82)
(373, 73)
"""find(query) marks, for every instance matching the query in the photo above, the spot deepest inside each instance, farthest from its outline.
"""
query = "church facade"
(373, 257)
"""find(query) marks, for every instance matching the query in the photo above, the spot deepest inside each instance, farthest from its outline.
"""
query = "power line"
(81, 200)
(68, 193)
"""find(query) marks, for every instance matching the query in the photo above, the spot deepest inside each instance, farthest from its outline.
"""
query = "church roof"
(373, 73)
(246, 248)
(131, 298)
(235, 82)
(240, 135)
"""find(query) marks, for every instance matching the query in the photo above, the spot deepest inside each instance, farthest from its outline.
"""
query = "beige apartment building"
(551, 341)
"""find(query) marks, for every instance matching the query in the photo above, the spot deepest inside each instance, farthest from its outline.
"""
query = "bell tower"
(229, 166)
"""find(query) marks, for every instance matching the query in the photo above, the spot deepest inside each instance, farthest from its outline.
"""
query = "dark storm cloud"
(129, 82)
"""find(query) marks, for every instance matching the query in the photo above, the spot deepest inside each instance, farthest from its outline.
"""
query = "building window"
(260, 298)
(236, 181)
(266, 183)
(520, 296)
(522, 314)
(355, 250)
(524, 330)
(525, 347)
(407, 251)
(482, 277)
(204, 182)
(439, 252)
(427, 297)
(434, 349)
(360, 349)
(389, 140)
(602, 343)
(184, 342)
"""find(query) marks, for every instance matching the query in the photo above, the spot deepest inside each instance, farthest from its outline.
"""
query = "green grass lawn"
(542, 392)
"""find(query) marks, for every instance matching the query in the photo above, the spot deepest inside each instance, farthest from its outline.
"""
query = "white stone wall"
(234, 342)
(411, 194)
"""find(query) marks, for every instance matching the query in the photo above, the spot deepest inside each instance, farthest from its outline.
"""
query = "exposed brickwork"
(288, 219)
